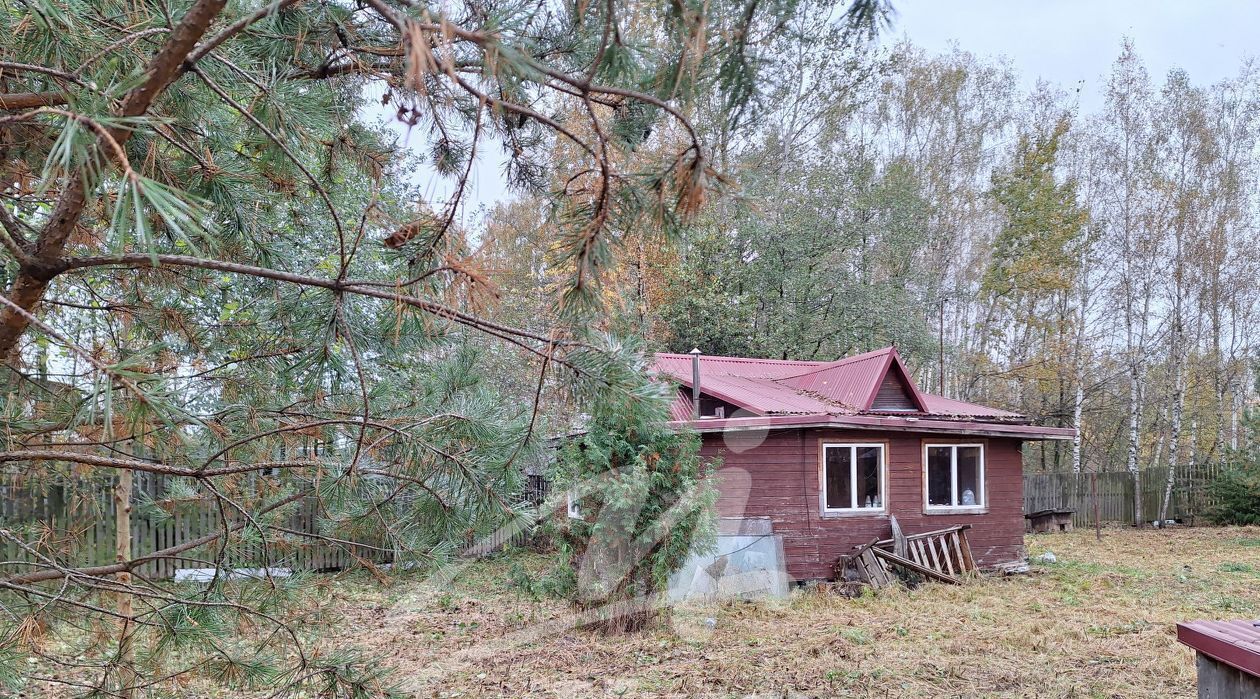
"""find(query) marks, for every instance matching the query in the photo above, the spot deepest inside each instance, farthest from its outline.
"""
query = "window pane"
(839, 477)
(868, 494)
(969, 486)
(940, 482)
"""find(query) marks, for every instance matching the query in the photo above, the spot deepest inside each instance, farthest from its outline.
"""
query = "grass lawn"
(1098, 623)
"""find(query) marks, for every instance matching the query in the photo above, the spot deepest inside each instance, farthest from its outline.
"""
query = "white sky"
(1075, 41)
(1069, 42)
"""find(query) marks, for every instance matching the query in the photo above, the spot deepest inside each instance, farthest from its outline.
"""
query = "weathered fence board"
(1190, 498)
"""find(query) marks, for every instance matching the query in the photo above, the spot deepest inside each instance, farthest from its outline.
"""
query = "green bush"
(1237, 493)
(643, 502)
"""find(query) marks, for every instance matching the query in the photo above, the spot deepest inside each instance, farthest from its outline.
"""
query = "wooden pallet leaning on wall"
(943, 555)
(945, 551)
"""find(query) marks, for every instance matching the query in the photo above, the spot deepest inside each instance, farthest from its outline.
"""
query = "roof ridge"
(751, 360)
(851, 359)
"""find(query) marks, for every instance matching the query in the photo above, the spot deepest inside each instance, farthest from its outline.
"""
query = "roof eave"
(880, 423)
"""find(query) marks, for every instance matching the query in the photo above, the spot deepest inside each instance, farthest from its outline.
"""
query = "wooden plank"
(881, 572)
(968, 562)
(911, 565)
(962, 561)
(944, 543)
(899, 543)
(931, 547)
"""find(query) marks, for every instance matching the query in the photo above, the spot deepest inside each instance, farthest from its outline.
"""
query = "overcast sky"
(1069, 42)
(1075, 41)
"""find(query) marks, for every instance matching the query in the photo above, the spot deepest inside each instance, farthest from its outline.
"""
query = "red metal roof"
(1235, 643)
(854, 381)
(839, 389)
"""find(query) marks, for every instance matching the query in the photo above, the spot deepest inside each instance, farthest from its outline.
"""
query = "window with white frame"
(853, 478)
(954, 475)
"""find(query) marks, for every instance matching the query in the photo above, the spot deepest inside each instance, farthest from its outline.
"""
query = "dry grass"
(1098, 623)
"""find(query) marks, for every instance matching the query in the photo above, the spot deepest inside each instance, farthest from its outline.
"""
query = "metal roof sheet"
(785, 387)
(848, 381)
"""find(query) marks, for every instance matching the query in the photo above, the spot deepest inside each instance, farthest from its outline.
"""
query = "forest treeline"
(1092, 268)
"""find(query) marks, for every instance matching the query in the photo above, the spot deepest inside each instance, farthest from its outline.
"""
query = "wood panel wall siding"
(779, 479)
(893, 395)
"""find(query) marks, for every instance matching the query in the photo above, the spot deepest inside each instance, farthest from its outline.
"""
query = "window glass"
(868, 477)
(839, 475)
(939, 476)
(969, 493)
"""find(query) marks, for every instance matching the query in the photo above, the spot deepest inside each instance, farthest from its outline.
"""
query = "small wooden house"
(828, 451)
(1045, 521)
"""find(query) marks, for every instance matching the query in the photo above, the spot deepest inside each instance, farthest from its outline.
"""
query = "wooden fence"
(72, 520)
(1190, 498)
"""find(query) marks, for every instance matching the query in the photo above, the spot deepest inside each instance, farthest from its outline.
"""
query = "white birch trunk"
(1135, 376)
(1178, 408)
(1077, 408)
(1233, 419)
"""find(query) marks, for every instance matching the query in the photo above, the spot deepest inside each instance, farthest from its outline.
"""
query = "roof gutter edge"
(888, 424)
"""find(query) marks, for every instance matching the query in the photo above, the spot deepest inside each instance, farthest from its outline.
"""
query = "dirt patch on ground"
(1097, 623)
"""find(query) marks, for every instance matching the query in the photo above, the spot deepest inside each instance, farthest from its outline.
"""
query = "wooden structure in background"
(830, 451)
(1045, 521)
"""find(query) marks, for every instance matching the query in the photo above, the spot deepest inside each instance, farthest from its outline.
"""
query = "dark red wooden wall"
(775, 475)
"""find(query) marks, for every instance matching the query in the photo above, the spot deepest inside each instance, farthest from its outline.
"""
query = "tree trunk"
(1174, 444)
(122, 549)
(1134, 377)
(1077, 407)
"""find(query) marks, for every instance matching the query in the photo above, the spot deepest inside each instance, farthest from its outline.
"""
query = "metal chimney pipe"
(695, 383)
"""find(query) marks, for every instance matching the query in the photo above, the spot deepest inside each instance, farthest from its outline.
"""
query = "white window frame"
(883, 479)
(982, 502)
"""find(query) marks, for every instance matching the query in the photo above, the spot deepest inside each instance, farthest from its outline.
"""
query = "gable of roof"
(893, 395)
(856, 381)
